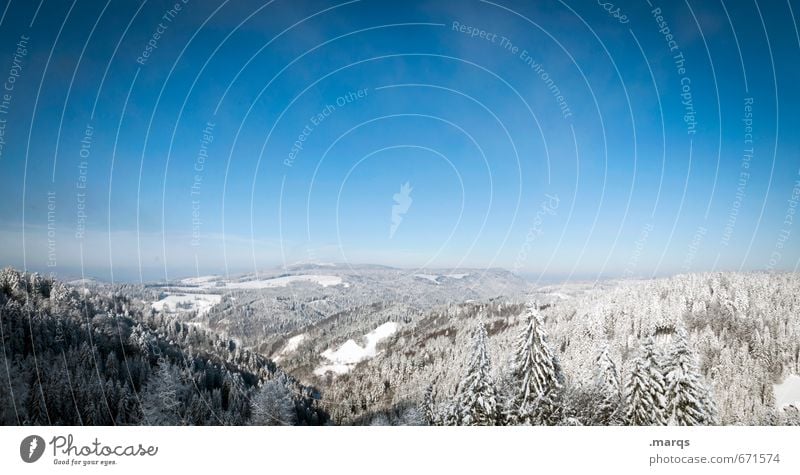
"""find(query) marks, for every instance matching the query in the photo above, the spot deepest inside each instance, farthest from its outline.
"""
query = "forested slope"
(79, 357)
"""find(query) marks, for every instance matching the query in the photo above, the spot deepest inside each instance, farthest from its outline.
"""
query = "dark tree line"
(75, 357)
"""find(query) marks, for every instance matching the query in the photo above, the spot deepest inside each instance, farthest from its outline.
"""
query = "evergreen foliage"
(478, 401)
(645, 395)
(536, 378)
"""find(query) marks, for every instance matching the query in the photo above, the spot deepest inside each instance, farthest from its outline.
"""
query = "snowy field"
(351, 353)
(200, 280)
(788, 392)
(217, 282)
(201, 303)
(430, 277)
(191, 296)
(291, 345)
(323, 280)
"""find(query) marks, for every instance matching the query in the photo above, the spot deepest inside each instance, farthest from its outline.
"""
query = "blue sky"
(554, 143)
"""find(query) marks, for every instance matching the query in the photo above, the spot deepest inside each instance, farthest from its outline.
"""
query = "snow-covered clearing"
(202, 303)
(323, 280)
(351, 353)
(559, 295)
(199, 280)
(192, 289)
(430, 277)
(291, 345)
(788, 392)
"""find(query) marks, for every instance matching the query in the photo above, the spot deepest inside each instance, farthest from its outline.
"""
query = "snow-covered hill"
(350, 353)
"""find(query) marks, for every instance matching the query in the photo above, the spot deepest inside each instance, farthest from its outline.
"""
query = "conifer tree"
(478, 402)
(161, 399)
(645, 391)
(428, 411)
(607, 381)
(689, 402)
(272, 405)
(536, 378)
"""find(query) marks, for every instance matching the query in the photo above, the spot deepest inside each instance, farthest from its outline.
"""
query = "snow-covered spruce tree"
(645, 391)
(272, 405)
(689, 402)
(478, 402)
(448, 413)
(536, 378)
(161, 398)
(608, 387)
(427, 407)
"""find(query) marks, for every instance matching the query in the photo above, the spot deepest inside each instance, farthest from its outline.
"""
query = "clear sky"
(574, 139)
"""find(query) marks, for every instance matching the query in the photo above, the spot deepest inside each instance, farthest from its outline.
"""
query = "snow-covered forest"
(96, 358)
(376, 346)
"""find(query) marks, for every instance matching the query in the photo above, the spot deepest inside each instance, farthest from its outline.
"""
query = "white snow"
(200, 302)
(323, 280)
(291, 345)
(190, 289)
(199, 280)
(350, 353)
(788, 392)
(435, 278)
(559, 295)
(312, 263)
(430, 277)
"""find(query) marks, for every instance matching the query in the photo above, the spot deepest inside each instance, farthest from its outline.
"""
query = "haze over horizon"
(156, 277)
(150, 142)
